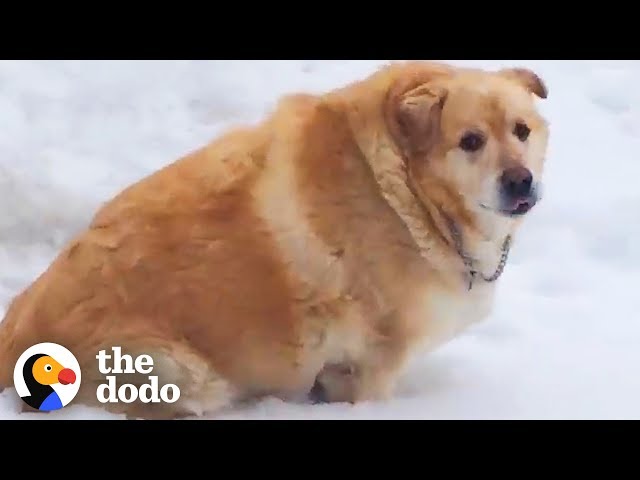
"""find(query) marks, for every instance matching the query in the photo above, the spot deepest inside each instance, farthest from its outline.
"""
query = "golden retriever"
(307, 256)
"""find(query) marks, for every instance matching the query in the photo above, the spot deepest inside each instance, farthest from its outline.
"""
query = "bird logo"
(47, 377)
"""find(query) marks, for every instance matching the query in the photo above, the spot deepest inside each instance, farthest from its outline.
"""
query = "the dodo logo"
(47, 376)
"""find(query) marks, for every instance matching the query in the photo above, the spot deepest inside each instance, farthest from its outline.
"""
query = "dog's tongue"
(521, 205)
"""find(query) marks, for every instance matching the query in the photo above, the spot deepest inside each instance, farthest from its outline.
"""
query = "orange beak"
(66, 376)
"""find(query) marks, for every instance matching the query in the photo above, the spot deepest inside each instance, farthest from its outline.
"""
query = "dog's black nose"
(517, 181)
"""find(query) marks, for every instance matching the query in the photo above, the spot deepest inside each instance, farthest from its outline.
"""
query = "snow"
(564, 338)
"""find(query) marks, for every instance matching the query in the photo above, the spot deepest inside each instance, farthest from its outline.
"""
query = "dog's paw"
(318, 393)
(336, 383)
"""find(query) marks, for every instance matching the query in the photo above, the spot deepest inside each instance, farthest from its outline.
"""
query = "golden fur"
(311, 249)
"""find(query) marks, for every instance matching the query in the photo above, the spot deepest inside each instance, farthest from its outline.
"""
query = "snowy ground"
(564, 340)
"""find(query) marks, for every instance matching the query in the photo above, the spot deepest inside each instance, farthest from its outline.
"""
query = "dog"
(308, 256)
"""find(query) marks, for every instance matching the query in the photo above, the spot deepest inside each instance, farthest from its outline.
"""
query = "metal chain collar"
(468, 261)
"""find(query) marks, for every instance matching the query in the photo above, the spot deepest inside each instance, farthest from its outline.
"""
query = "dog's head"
(474, 134)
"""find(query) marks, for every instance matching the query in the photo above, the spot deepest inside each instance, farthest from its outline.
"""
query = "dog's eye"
(521, 131)
(471, 142)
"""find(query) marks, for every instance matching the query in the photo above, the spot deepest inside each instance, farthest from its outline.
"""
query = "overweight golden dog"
(307, 256)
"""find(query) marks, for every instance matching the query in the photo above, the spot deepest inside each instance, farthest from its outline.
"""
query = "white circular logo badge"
(47, 377)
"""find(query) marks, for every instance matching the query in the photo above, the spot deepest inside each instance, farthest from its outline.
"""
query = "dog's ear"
(413, 115)
(528, 79)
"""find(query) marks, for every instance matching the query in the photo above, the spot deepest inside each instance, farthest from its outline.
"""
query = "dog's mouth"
(520, 207)
(517, 208)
